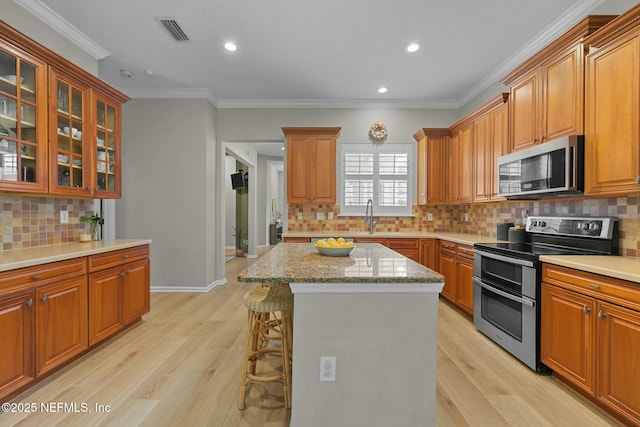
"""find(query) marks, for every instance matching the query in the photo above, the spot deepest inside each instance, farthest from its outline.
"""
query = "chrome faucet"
(369, 217)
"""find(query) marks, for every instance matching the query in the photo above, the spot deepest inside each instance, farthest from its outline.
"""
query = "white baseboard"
(189, 288)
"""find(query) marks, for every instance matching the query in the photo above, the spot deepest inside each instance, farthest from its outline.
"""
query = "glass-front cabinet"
(23, 121)
(70, 159)
(107, 148)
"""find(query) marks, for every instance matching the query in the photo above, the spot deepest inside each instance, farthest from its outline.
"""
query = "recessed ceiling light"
(282, 148)
(230, 46)
(413, 47)
(382, 89)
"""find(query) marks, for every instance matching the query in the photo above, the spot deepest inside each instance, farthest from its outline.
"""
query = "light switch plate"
(429, 216)
(330, 215)
(64, 217)
(300, 216)
(320, 216)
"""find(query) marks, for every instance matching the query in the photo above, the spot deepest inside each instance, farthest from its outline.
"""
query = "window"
(379, 173)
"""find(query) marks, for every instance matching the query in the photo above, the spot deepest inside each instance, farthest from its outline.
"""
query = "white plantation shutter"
(380, 173)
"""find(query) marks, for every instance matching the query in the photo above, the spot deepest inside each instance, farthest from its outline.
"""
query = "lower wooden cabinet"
(407, 247)
(16, 342)
(52, 313)
(590, 336)
(429, 253)
(118, 295)
(456, 265)
(61, 323)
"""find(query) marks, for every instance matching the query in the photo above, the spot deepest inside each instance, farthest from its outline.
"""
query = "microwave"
(551, 169)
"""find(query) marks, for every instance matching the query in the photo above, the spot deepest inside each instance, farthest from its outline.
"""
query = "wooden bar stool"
(270, 314)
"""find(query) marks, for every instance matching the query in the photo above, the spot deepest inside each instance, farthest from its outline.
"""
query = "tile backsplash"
(483, 218)
(28, 221)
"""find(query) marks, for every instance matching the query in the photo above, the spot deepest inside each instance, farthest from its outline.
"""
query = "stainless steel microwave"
(554, 168)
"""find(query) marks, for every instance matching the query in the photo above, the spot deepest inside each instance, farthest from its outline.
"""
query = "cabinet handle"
(30, 303)
(128, 271)
(44, 298)
(601, 315)
(638, 179)
(88, 189)
(594, 285)
(122, 274)
(125, 256)
(37, 277)
(586, 309)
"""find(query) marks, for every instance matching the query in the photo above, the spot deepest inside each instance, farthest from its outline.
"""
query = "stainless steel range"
(507, 277)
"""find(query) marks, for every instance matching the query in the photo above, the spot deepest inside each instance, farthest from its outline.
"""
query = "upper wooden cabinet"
(461, 171)
(547, 91)
(432, 160)
(23, 120)
(52, 109)
(612, 134)
(311, 164)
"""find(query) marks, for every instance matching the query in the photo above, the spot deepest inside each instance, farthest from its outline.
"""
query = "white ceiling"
(313, 53)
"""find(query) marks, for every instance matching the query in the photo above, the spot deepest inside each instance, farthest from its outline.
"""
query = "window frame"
(376, 150)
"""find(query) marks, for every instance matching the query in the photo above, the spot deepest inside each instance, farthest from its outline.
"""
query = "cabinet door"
(321, 170)
(298, 153)
(612, 134)
(499, 147)
(619, 374)
(453, 165)
(23, 121)
(105, 308)
(61, 323)
(106, 144)
(135, 291)
(563, 82)
(16, 342)
(437, 170)
(69, 131)
(422, 171)
(567, 335)
(407, 247)
(466, 177)
(482, 143)
(464, 288)
(524, 103)
(447, 267)
(428, 253)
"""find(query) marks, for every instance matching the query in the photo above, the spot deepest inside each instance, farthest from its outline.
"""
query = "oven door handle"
(504, 258)
(507, 295)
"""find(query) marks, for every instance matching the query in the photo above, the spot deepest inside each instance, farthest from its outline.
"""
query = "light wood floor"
(180, 367)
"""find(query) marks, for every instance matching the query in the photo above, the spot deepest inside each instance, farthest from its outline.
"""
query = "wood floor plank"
(181, 366)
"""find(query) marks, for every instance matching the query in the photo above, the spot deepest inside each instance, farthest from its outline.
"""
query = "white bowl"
(336, 252)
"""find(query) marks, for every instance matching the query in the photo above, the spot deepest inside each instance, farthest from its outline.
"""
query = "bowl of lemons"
(334, 247)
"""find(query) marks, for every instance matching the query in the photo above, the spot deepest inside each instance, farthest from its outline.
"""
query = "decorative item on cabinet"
(311, 164)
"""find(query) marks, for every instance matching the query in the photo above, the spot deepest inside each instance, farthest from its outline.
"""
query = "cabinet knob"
(128, 271)
(30, 303)
(44, 298)
(122, 274)
(601, 315)
(586, 309)
(88, 189)
(638, 179)
(37, 277)
(594, 285)
(125, 256)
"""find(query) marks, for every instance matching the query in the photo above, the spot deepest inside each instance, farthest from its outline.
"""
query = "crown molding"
(334, 103)
(170, 93)
(58, 23)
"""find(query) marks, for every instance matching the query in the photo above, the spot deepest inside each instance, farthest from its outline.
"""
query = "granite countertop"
(368, 263)
(613, 266)
(28, 257)
(462, 238)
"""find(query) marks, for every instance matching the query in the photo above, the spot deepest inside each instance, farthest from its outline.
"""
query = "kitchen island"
(376, 312)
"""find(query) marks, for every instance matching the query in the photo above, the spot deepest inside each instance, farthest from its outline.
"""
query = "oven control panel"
(595, 227)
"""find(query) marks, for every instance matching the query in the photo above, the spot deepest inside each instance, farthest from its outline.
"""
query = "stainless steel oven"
(506, 278)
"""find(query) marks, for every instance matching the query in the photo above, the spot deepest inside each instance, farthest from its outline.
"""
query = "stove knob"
(534, 223)
(580, 226)
(542, 224)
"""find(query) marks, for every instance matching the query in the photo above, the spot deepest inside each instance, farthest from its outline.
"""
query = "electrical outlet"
(466, 217)
(330, 215)
(320, 216)
(64, 217)
(327, 368)
(429, 216)
(300, 216)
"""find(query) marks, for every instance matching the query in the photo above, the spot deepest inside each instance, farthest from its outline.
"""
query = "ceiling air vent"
(173, 27)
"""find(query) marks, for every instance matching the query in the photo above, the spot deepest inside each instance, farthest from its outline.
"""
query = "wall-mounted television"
(238, 180)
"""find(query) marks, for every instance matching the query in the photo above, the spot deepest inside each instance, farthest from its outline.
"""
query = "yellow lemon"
(332, 242)
(340, 240)
(322, 244)
(348, 245)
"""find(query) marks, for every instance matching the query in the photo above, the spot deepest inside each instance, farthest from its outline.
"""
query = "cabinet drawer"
(465, 251)
(617, 291)
(446, 245)
(403, 243)
(23, 278)
(114, 258)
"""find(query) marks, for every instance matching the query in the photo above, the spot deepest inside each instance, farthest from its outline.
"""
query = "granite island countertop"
(462, 238)
(28, 257)
(368, 263)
